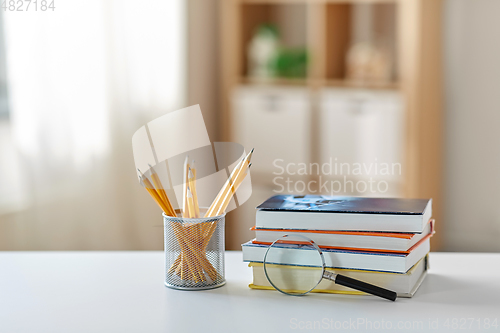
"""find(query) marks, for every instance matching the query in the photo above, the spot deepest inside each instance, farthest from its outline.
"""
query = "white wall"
(472, 78)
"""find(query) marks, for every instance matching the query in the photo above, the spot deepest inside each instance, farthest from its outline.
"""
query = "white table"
(124, 292)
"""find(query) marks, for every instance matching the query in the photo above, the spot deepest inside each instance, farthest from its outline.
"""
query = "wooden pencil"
(214, 207)
(161, 191)
(192, 185)
(233, 188)
(184, 188)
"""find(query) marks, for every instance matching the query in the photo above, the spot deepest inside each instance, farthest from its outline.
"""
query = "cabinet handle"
(272, 103)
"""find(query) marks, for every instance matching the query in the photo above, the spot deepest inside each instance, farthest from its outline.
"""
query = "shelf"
(275, 81)
(352, 27)
(316, 1)
(392, 85)
(316, 83)
(290, 19)
(327, 30)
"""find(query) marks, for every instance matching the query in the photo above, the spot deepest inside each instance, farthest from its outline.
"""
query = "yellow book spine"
(344, 292)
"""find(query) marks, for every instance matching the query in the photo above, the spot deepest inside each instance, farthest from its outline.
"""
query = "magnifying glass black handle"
(366, 287)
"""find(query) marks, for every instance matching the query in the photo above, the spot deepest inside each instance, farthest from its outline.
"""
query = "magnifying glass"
(283, 279)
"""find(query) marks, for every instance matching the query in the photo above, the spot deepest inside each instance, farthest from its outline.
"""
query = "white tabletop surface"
(124, 292)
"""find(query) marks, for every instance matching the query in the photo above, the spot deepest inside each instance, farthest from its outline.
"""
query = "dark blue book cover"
(334, 204)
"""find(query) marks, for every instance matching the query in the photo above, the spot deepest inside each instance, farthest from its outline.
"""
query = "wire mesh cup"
(194, 252)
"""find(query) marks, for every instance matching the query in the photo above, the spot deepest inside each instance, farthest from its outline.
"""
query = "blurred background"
(402, 95)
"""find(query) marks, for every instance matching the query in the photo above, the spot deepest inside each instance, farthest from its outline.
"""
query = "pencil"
(214, 207)
(192, 187)
(190, 203)
(151, 190)
(233, 188)
(161, 191)
(222, 191)
(184, 188)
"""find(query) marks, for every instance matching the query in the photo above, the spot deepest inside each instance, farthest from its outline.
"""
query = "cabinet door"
(274, 121)
(362, 127)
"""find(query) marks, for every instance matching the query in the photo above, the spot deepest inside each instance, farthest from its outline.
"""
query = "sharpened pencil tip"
(249, 156)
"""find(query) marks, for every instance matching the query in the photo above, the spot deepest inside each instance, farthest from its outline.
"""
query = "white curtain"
(82, 79)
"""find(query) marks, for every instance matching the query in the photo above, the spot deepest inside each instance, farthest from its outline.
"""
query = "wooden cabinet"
(411, 30)
(360, 126)
(276, 121)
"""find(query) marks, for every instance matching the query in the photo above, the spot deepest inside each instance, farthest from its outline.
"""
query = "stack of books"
(384, 242)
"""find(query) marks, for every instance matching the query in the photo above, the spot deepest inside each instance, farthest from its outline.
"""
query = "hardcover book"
(304, 255)
(321, 212)
(404, 284)
(351, 240)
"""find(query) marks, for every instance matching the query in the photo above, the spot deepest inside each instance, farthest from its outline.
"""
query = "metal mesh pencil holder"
(194, 252)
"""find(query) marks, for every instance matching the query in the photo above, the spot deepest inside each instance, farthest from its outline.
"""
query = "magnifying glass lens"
(284, 265)
(285, 269)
